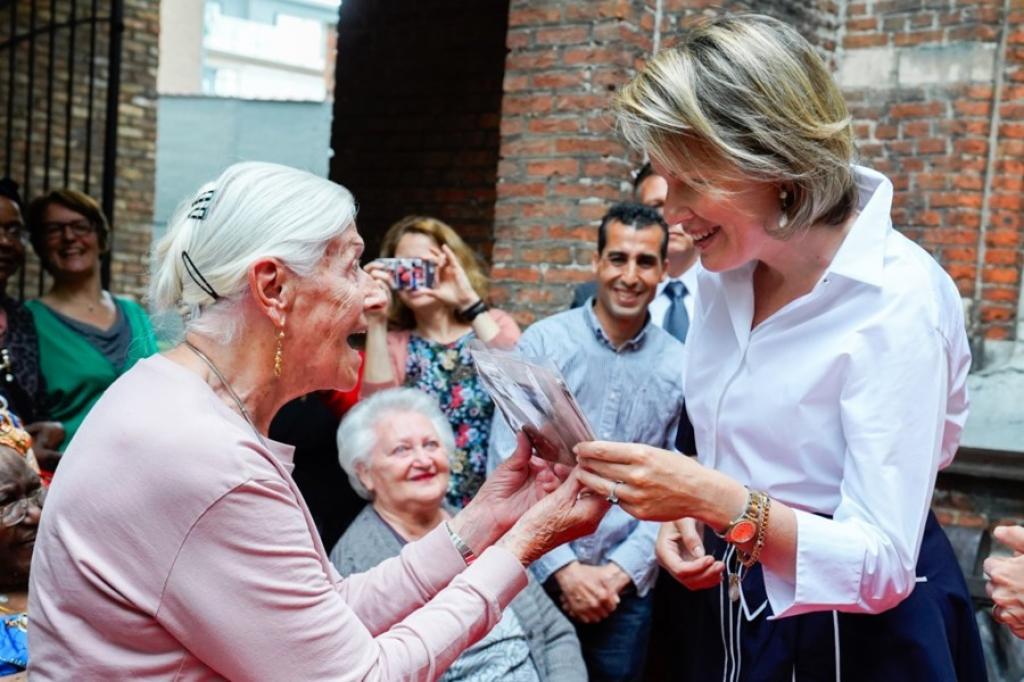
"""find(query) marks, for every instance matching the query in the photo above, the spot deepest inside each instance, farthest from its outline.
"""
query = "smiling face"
(17, 481)
(330, 305)
(418, 245)
(628, 271)
(407, 470)
(69, 252)
(728, 225)
(12, 249)
(653, 192)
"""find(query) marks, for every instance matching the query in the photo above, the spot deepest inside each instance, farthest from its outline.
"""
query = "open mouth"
(357, 341)
(703, 238)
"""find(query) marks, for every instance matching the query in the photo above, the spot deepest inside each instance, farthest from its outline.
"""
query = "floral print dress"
(446, 372)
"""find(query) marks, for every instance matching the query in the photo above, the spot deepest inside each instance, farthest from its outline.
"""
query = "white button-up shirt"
(844, 403)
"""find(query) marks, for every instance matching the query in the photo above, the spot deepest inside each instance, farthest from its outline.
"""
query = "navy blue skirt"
(930, 637)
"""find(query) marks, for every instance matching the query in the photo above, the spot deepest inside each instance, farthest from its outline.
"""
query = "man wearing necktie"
(672, 306)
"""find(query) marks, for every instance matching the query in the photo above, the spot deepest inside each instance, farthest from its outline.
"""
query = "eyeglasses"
(79, 228)
(14, 231)
(13, 513)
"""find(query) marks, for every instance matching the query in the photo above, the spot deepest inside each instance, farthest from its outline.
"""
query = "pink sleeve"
(249, 595)
(398, 352)
(508, 330)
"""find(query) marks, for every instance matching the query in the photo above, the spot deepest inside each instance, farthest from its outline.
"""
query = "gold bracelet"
(764, 504)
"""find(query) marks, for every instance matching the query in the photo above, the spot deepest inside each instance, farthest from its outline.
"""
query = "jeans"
(615, 649)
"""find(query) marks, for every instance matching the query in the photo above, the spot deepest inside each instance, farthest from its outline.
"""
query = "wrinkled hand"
(657, 485)
(567, 513)
(453, 287)
(46, 436)
(1005, 585)
(680, 551)
(510, 490)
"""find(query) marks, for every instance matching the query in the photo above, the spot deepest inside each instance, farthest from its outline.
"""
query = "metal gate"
(60, 72)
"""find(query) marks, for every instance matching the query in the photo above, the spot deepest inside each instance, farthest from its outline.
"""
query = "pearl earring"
(783, 216)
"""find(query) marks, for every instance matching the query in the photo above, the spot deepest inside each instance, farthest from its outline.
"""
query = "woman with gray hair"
(176, 544)
(396, 447)
(825, 379)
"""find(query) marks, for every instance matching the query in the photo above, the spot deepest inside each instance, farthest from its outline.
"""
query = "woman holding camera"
(422, 339)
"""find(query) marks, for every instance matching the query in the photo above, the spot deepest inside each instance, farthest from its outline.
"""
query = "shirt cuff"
(829, 566)
(548, 565)
(435, 559)
(637, 565)
(498, 572)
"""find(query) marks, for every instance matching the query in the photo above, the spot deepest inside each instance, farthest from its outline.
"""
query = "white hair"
(253, 210)
(357, 434)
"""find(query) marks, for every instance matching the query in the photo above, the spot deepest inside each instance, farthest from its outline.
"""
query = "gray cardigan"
(554, 649)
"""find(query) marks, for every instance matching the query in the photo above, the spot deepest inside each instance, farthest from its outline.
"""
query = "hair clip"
(201, 205)
(197, 277)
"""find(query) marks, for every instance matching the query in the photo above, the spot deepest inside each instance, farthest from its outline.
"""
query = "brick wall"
(562, 164)
(922, 84)
(416, 113)
(39, 166)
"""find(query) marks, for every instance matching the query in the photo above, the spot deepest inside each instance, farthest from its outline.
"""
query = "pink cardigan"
(175, 545)
(398, 350)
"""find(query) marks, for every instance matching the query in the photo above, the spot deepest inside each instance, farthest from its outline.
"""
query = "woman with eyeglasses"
(87, 336)
(21, 382)
(21, 504)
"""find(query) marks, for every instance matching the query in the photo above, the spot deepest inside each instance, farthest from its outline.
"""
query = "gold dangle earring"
(278, 352)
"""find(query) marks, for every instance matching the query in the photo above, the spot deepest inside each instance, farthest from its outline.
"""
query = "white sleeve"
(893, 409)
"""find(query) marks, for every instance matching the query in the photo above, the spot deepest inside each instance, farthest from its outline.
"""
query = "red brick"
(917, 38)
(861, 40)
(569, 167)
(968, 182)
(583, 145)
(522, 104)
(584, 233)
(972, 108)
(560, 255)
(564, 35)
(971, 146)
(532, 16)
(1001, 257)
(554, 124)
(567, 275)
(559, 79)
(525, 189)
(1000, 275)
(916, 110)
(933, 145)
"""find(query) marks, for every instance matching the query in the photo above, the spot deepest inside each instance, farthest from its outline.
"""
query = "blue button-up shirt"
(632, 393)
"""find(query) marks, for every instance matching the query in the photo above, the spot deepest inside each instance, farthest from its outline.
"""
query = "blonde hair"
(400, 315)
(750, 94)
(253, 210)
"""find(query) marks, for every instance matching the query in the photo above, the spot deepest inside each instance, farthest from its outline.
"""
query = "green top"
(76, 372)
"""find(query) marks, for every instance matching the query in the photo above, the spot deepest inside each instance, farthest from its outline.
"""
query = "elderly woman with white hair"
(825, 379)
(395, 448)
(176, 544)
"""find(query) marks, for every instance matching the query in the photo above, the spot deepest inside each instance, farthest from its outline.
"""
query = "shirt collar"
(595, 326)
(688, 278)
(861, 256)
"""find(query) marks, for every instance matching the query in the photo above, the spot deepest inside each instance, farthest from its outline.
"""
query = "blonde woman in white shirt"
(825, 379)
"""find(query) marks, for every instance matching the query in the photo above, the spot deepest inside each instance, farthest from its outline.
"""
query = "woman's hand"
(510, 490)
(657, 485)
(378, 317)
(567, 513)
(1005, 585)
(453, 287)
(680, 551)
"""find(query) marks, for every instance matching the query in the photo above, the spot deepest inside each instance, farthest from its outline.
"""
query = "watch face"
(742, 532)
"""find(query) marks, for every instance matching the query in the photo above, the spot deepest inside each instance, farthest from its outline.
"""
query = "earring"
(278, 352)
(783, 217)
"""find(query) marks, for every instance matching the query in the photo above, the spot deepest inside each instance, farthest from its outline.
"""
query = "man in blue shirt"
(626, 375)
